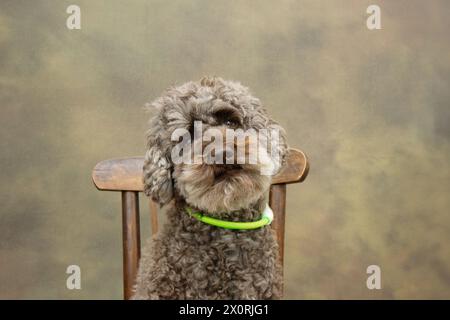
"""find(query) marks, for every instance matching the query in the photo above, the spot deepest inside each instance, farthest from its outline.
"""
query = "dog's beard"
(217, 188)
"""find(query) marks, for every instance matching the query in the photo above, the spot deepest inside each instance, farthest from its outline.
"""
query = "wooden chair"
(125, 175)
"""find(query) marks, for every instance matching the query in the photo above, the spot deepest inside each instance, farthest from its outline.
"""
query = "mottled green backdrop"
(370, 108)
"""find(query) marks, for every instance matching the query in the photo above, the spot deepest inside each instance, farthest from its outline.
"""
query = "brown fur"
(188, 259)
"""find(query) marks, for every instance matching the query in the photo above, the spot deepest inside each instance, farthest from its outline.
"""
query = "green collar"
(266, 219)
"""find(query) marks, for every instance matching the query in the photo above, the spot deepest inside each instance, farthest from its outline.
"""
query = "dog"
(190, 258)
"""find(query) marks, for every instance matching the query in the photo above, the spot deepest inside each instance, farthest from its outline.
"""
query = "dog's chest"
(227, 250)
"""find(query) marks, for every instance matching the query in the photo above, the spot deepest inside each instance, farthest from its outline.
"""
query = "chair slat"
(125, 174)
(277, 201)
(131, 240)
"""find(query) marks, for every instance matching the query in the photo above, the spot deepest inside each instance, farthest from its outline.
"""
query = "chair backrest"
(125, 175)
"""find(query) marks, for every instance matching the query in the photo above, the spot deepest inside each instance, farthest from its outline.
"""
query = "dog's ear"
(276, 136)
(158, 183)
(280, 146)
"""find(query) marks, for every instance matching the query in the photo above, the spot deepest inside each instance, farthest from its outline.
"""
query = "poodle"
(191, 258)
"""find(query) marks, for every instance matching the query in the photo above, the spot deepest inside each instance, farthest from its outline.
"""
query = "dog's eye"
(230, 123)
(228, 117)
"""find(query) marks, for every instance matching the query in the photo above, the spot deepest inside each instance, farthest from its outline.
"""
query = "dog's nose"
(234, 150)
(226, 155)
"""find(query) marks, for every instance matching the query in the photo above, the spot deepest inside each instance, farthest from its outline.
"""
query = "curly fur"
(188, 259)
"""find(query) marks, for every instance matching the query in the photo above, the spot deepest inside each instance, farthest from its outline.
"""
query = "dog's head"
(192, 151)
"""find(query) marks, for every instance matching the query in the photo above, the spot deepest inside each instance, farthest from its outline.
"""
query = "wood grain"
(277, 201)
(131, 240)
(125, 174)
